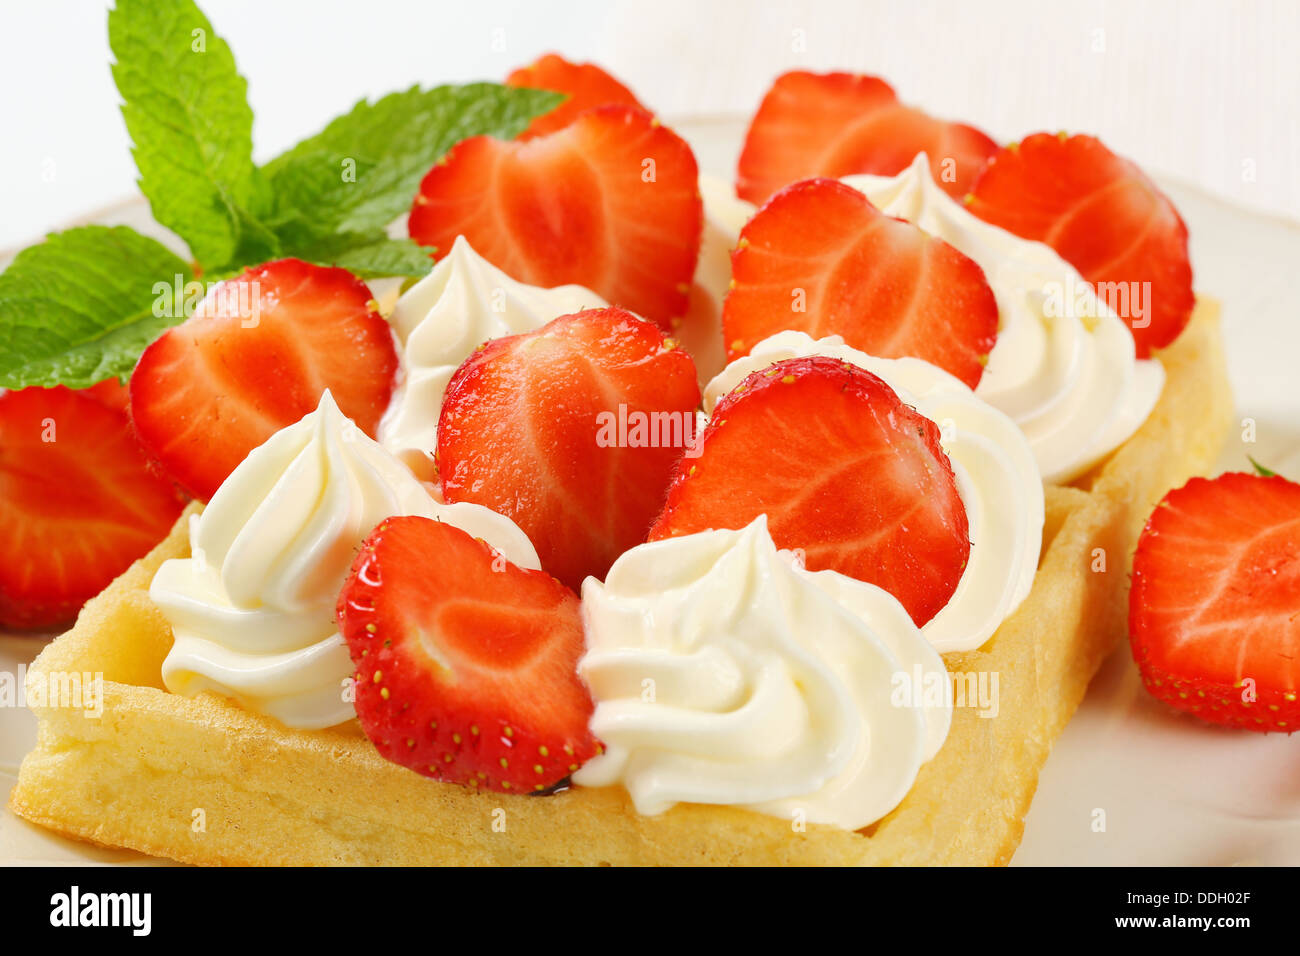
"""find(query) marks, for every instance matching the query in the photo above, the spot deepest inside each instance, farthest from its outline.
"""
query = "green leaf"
(370, 255)
(362, 171)
(186, 108)
(81, 306)
(1263, 472)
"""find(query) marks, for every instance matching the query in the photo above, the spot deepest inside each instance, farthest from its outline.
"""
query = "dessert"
(762, 643)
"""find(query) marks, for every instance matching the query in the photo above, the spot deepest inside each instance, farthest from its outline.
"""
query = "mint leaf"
(369, 255)
(186, 108)
(362, 171)
(80, 307)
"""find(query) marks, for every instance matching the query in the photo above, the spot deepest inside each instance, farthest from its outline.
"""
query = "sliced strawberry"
(819, 258)
(255, 357)
(839, 124)
(1103, 216)
(610, 202)
(78, 502)
(586, 84)
(572, 431)
(843, 470)
(466, 664)
(110, 393)
(1214, 610)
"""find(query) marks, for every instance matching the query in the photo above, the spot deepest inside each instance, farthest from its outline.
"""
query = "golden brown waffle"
(203, 781)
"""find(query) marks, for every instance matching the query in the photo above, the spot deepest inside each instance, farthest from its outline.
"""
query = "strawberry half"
(1215, 601)
(255, 357)
(572, 431)
(78, 502)
(610, 202)
(844, 472)
(586, 84)
(819, 258)
(466, 664)
(1105, 217)
(839, 124)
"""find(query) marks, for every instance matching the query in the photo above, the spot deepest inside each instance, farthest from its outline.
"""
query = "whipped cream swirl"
(724, 673)
(464, 302)
(991, 460)
(1064, 366)
(252, 609)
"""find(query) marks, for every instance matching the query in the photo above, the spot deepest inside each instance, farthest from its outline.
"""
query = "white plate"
(1172, 791)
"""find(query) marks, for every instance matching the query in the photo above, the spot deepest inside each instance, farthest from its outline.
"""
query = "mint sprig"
(186, 108)
(81, 306)
(362, 170)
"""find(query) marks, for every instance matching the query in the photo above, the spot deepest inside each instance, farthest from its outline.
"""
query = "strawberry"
(78, 502)
(838, 124)
(819, 258)
(255, 357)
(110, 393)
(586, 84)
(1215, 601)
(844, 471)
(572, 431)
(610, 202)
(1103, 216)
(466, 664)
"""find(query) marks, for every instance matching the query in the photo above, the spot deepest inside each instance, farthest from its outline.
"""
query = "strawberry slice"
(844, 472)
(466, 664)
(572, 431)
(819, 258)
(610, 202)
(1214, 610)
(78, 502)
(839, 124)
(255, 357)
(588, 86)
(1103, 216)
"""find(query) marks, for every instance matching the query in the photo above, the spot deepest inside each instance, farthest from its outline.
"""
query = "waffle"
(201, 780)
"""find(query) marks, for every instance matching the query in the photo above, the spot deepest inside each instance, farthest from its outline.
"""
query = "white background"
(1208, 92)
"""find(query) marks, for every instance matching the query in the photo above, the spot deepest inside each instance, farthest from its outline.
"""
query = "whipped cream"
(1064, 366)
(252, 609)
(724, 216)
(464, 302)
(724, 673)
(991, 460)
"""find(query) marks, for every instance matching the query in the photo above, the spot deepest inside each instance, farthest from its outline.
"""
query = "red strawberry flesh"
(1105, 217)
(257, 358)
(820, 259)
(525, 430)
(586, 85)
(1215, 601)
(466, 664)
(610, 202)
(840, 124)
(844, 471)
(78, 501)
